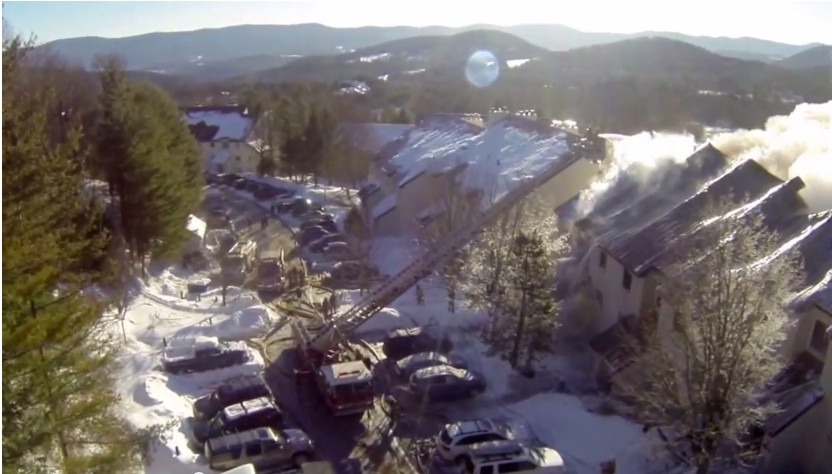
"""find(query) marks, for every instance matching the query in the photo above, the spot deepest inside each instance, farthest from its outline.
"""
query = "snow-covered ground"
(151, 396)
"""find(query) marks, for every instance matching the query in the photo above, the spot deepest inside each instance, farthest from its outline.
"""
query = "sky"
(788, 22)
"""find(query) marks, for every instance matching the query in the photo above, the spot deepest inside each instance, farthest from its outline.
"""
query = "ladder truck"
(323, 345)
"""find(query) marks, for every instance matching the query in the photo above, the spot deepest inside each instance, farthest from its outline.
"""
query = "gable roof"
(639, 249)
(627, 204)
(209, 124)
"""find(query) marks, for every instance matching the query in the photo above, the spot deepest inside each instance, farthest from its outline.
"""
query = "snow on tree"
(509, 273)
(700, 374)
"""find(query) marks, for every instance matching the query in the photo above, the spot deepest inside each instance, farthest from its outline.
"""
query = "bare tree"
(452, 208)
(700, 373)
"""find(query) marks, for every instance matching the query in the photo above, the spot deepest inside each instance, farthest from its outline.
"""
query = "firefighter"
(332, 304)
(451, 300)
(420, 295)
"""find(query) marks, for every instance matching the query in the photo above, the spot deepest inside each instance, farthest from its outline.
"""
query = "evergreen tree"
(152, 162)
(59, 410)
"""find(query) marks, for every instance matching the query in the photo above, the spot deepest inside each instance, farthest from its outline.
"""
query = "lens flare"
(482, 69)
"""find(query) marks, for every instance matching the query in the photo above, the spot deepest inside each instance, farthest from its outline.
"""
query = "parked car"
(328, 226)
(240, 184)
(251, 185)
(310, 235)
(353, 270)
(509, 456)
(445, 383)
(201, 353)
(263, 447)
(338, 251)
(319, 244)
(300, 206)
(247, 415)
(265, 192)
(416, 362)
(401, 343)
(228, 179)
(234, 391)
(454, 441)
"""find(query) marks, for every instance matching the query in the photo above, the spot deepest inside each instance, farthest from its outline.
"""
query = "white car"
(453, 443)
(498, 457)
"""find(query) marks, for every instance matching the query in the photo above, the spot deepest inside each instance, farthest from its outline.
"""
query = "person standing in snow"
(452, 300)
(420, 295)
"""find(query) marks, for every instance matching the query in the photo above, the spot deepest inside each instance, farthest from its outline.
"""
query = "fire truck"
(270, 271)
(342, 377)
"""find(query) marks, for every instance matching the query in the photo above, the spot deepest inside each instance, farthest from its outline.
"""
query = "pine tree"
(153, 164)
(59, 410)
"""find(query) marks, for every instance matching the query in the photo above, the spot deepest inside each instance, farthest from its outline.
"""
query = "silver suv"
(263, 447)
(509, 457)
(453, 443)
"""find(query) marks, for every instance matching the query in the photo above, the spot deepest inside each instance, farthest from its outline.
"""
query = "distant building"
(226, 137)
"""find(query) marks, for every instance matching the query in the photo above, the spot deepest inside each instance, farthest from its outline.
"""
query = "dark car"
(240, 184)
(444, 383)
(234, 391)
(309, 235)
(327, 225)
(247, 415)
(319, 244)
(401, 343)
(354, 270)
(228, 179)
(251, 185)
(200, 354)
(416, 362)
(300, 206)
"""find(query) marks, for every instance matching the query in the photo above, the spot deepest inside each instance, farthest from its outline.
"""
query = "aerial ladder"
(323, 339)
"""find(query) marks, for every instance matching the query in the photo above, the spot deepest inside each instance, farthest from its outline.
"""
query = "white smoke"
(799, 144)
(640, 157)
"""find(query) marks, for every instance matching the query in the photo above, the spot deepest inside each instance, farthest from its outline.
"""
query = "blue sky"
(791, 22)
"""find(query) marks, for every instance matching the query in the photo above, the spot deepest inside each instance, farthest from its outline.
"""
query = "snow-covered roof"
(197, 226)
(219, 123)
(371, 137)
(346, 373)
(494, 159)
(386, 205)
(639, 249)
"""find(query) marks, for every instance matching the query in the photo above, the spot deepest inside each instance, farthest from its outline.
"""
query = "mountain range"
(223, 53)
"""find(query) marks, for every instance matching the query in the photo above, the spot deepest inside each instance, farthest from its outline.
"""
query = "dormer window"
(603, 260)
(628, 280)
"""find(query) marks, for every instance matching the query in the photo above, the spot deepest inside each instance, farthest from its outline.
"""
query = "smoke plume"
(639, 160)
(799, 144)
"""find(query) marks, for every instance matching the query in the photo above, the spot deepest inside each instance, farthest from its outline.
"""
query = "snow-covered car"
(416, 362)
(454, 441)
(400, 343)
(444, 383)
(202, 353)
(354, 270)
(338, 251)
(236, 390)
(247, 415)
(513, 457)
(319, 244)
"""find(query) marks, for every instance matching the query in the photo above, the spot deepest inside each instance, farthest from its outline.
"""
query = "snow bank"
(151, 396)
(586, 439)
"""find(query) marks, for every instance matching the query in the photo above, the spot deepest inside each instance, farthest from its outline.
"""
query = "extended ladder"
(398, 284)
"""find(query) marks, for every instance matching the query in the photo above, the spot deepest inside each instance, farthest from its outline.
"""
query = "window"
(603, 260)
(599, 297)
(225, 145)
(254, 449)
(487, 470)
(518, 466)
(212, 144)
(237, 158)
(819, 342)
(628, 280)
(236, 451)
